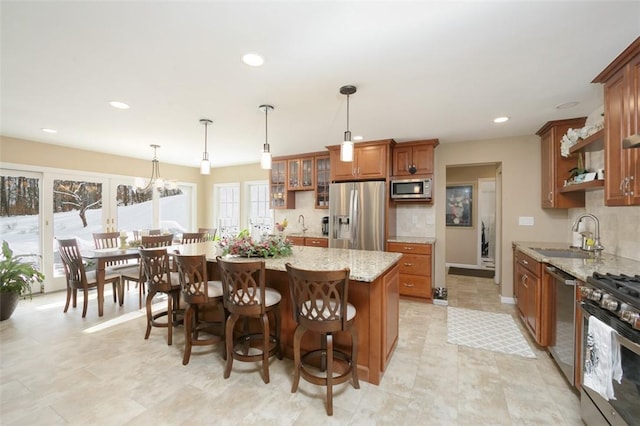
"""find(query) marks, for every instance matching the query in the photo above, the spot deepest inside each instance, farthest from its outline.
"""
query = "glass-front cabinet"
(323, 179)
(300, 176)
(278, 190)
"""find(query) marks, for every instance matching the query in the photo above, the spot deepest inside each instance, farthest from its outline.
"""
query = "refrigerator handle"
(354, 218)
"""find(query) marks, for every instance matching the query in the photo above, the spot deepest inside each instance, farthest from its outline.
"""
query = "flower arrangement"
(244, 245)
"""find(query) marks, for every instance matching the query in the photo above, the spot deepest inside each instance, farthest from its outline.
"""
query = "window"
(258, 211)
(227, 208)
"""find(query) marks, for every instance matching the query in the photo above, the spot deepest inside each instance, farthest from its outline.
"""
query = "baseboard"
(441, 302)
(508, 300)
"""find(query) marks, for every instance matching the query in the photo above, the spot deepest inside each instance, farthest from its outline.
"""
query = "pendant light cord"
(348, 112)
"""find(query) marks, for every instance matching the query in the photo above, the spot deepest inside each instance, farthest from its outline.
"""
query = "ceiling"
(423, 69)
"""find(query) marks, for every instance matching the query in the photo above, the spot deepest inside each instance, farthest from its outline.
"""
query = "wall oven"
(615, 301)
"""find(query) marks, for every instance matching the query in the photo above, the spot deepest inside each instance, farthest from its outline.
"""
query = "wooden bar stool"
(157, 273)
(319, 304)
(246, 296)
(199, 293)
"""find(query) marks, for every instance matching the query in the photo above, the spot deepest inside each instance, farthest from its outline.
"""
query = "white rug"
(486, 330)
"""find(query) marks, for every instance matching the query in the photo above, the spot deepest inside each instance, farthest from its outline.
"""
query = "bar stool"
(319, 304)
(157, 274)
(246, 296)
(199, 293)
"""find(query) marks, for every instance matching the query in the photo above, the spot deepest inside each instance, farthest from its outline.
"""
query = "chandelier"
(155, 181)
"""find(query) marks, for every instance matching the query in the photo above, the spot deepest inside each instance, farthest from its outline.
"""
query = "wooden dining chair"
(192, 237)
(246, 296)
(158, 278)
(319, 304)
(129, 271)
(78, 278)
(200, 295)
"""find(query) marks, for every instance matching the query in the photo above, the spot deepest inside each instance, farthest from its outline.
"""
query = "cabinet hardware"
(408, 264)
(408, 248)
(524, 261)
(408, 285)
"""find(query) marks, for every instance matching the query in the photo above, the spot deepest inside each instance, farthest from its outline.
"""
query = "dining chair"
(129, 271)
(319, 304)
(201, 296)
(78, 278)
(157, 275)
(192, 237)
(246, 296)
(210, 233)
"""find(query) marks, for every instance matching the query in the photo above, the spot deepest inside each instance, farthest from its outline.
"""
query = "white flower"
(568, 140)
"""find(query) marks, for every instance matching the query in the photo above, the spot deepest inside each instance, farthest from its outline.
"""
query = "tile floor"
(60, 369)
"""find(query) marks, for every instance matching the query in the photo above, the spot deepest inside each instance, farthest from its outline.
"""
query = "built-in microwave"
(411, 189)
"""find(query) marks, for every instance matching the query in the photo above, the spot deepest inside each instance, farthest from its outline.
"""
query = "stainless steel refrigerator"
(356, 215)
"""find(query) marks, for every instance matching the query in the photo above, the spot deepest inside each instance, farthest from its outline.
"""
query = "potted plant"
(16, 277)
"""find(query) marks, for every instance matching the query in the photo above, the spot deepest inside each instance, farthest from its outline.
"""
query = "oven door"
(625, 408)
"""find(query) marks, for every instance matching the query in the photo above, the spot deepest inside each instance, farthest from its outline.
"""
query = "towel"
(602, 359)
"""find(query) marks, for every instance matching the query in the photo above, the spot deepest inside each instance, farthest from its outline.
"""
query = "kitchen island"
(373, 290)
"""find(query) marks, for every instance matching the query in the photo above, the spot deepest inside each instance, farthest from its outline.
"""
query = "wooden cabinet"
(621, 81)
(323, 179)
(309, 241)
(413, 158)
(280, 196)
(300, 174)
(415, 268)
(370, 161)
(555, 168)
(531, 297)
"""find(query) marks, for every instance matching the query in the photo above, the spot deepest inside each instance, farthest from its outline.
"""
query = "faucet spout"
(304, 228)
(597, 246)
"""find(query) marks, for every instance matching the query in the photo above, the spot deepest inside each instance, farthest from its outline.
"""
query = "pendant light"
(265, 161)
(205, 165)
(155, 181)
(346, 148)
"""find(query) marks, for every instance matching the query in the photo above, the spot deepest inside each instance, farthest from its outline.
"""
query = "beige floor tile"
(62, 369)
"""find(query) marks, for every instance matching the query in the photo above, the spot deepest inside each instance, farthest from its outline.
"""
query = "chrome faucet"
(304, 228)
(597, 248)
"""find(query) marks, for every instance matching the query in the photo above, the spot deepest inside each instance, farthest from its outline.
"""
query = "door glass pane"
(175, 210)
(20, 213)
(77, 213)
(260, 214)
(134, 209)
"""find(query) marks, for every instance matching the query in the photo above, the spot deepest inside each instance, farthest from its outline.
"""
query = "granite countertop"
(365, 265)
(580, 268)
(308, 235)
(412, 240)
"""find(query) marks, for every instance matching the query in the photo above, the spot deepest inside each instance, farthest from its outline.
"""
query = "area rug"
(482, 273)
(486, 330)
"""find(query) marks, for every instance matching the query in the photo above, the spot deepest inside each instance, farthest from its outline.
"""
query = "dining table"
(102, 257)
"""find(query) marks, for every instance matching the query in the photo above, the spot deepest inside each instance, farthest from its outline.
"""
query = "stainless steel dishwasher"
(563, 322)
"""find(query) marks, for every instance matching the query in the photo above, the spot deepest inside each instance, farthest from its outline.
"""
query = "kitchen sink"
(567, 253)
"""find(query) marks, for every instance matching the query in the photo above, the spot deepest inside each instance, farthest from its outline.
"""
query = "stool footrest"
(312, 372)
(242, 346)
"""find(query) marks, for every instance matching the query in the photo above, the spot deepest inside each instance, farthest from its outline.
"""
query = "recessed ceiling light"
(253, 59)
(500, 119)
(44, 129)
(357, 138)
(119, 105)
(567, 105)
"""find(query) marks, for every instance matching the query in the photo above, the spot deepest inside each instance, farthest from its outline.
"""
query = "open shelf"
(595, 142)
(584, 186)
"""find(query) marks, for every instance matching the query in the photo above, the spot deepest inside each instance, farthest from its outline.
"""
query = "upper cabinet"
(323, 179)
(621, 81)
(413, 158)
(370, 161)
(556, 168)
(300, 175)
(281, 198)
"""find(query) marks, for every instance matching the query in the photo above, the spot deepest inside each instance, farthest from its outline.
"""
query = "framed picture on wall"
(459, 205)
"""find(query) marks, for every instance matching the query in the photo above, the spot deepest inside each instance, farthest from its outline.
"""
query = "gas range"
(618, 294)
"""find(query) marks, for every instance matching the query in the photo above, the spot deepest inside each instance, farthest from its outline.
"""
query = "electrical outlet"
(525, 220)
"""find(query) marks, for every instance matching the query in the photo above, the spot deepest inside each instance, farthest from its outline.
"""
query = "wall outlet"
(525, 220)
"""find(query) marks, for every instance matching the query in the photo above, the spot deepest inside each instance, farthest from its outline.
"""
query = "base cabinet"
(415, 268)
(309, 241)
(532, 296)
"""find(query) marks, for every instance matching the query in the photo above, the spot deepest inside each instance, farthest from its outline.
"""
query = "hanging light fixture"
(346, 148)
(155, 181)
(265, 161)
(205, 165)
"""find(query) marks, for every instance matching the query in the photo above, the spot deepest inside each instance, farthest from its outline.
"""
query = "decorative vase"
(8, 304)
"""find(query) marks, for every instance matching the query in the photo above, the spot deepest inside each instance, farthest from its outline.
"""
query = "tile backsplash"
(304, 206)
(416, 220)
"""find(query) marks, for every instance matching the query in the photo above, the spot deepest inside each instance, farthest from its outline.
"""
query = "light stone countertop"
(365, 265)
(580, 268)
(411, 240)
